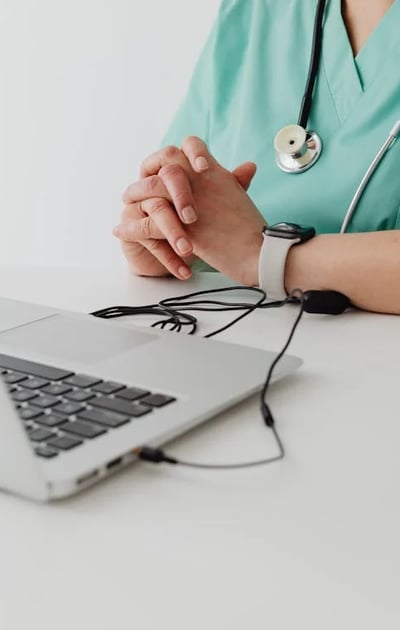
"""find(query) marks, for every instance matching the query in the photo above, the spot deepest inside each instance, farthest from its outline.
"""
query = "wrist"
(303, 265)
(278, 241)
(249, 271)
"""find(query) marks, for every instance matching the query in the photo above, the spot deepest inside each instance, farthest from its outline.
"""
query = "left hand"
(228, 232)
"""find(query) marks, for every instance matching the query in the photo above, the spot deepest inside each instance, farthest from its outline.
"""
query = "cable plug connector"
(154, 455)
(267, 415)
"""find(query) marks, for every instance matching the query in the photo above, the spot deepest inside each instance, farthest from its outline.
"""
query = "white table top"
(309, 543)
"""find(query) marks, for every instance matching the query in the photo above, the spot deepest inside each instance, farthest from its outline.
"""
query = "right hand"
(154, 256)
(166, 198)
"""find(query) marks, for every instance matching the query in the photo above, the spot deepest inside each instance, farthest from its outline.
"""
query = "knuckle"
(170, 152)
(150, 184)
(191, 140)
(143, 165)
(157, 205)
(146, 228)
(126, 213)
(155, 246)
(125, 195)
(170, 171)
(182, 198)
(130, 211)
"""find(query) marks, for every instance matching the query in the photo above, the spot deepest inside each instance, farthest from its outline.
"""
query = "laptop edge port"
(114, 463)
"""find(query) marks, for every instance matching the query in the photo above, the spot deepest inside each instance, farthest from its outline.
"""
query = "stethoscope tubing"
(391, 139)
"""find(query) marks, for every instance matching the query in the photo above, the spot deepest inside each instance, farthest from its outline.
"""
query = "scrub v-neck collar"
(350, 77)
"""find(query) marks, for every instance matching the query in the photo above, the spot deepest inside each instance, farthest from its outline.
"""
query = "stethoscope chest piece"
(296, 149)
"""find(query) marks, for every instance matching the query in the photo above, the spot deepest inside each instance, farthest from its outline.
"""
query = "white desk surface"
(311, 543)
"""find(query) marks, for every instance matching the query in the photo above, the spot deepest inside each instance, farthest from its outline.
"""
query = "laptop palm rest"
(86, 341)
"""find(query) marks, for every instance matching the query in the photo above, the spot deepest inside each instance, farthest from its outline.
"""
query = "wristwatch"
(278, 239)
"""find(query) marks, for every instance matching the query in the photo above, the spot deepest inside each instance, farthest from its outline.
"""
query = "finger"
(159, 222)
(160, 263)
(167, 257)
(245, 173)
(168, 155)
(178, 185)
(197, 153)
(147, 188)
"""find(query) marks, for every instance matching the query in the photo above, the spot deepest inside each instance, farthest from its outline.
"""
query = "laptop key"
(81, 380)
(108, 387)
(12, 377)
(23, 395)
(40, 435)
(45, 451)
(65, 442)
(120, 406)
(106, 418)
(35, 383)
(51, 420)
(27, 413)
(69, 408)
(35, 369)
(132, 393)
(158, 400)
(80, 395)
(45, 401)
(83, 429)
(57, 389)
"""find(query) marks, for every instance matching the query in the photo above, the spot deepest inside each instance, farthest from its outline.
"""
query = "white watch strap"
(272, 263)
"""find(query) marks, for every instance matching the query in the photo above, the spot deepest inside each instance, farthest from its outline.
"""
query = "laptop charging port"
(114, 463)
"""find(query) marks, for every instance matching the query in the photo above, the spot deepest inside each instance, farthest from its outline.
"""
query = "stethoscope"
(298, 149)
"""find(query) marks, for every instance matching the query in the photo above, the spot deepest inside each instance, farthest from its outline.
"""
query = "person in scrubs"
(194, 205)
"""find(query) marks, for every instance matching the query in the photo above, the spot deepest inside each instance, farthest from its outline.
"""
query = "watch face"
(290, 231)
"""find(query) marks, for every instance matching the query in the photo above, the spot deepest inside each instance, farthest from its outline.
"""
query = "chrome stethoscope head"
(296, 149)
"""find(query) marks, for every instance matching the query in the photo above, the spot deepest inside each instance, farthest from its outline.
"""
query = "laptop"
(79, 394)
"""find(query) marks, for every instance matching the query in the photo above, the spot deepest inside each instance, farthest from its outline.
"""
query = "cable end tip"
(153, 455)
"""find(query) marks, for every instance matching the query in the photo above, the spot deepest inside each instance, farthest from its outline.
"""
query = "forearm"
(364, 266)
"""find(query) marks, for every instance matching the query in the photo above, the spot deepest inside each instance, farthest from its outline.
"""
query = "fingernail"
(184, 272)
(189, 215)
(183, 246)
(201, 164)
(116, 231)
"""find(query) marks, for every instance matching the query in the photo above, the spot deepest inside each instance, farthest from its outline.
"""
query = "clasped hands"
(186, 205)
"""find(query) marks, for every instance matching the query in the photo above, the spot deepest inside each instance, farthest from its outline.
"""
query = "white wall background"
(87, 89)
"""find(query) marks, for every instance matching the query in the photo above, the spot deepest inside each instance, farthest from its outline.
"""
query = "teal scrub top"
(249, 83)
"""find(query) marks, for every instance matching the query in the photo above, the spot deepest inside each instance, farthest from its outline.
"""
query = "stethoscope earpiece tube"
(314, 65)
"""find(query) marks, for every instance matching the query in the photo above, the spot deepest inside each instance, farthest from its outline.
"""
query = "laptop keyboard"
(61, 410)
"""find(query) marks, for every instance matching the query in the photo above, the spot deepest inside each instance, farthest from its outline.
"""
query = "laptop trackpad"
(82, 340)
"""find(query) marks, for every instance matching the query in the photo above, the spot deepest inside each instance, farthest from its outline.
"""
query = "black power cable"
(159, 456)
(175, 316)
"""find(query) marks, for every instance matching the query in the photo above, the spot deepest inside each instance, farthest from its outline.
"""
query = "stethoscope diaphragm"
(296, 149)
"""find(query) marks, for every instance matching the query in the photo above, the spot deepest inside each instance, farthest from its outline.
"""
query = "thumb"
(245, 173)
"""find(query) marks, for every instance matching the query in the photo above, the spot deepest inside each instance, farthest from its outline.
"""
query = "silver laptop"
(79, 394)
